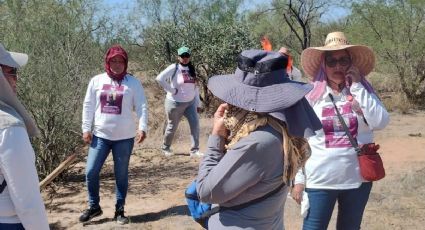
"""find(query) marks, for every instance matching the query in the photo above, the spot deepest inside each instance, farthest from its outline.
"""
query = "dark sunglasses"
(185, 55)
(331, 62)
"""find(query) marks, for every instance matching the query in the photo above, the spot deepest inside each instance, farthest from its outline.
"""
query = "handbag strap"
(2, 186)
(347, 131)
(241, 206)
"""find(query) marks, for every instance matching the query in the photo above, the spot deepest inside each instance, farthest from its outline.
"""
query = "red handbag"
(370, 162)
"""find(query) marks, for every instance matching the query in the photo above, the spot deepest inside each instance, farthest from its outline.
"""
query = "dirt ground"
(156, 193)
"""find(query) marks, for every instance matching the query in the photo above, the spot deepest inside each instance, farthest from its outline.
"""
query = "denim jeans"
(174, 111)
(351, 205)
(98, 152)
(17, 226)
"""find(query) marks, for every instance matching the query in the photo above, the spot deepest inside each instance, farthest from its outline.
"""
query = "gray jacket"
(251, 169)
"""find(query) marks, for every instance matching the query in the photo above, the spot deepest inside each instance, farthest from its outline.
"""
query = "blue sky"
(333, 13)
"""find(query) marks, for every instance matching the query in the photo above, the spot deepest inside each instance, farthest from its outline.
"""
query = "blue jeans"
(175, 111)
(17, 226)
(98, 152)
(351, 205)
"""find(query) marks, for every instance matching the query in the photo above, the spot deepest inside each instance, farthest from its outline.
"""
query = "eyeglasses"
(10, 71)
(185, 55)
(331, 62)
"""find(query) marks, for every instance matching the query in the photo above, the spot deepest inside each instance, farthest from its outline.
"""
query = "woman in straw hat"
(21, 204)
(253, 151)
(332, 174)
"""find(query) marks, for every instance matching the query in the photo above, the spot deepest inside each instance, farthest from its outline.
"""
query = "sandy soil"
(156, 200)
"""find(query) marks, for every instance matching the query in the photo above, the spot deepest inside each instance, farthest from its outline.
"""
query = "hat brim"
(300, 119)
(14, 59)
(362, 56)
(258, 99)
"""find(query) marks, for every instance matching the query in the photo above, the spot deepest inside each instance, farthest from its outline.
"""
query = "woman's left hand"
(297, 193)
(354, 73)
(141, 135)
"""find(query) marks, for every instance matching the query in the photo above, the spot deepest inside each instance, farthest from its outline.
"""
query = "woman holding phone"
(338, 72)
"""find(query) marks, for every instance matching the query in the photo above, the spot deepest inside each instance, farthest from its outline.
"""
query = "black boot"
(90, 213)
(119, 216)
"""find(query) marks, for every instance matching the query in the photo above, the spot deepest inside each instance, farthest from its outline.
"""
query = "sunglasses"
(331, 62)
(185, 55)
(7, 70)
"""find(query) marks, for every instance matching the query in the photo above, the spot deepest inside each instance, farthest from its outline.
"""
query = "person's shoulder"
(268, 135)
(99, 76)
(131, 78)
(132, 81)
(263, 136)
(172, 66)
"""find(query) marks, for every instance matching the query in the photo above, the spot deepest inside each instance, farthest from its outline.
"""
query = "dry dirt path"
(156, 201)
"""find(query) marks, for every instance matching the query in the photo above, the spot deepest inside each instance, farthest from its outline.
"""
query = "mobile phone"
(348, 78)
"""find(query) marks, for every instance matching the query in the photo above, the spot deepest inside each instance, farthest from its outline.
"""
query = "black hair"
(192, 70)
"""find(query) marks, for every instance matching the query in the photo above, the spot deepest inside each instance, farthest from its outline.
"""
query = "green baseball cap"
(183, 50)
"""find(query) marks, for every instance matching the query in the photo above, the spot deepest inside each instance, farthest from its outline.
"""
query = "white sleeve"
(299, 177)
(164, 79)
(374, 111)
(89, 107)
(17, 163)
(141, 106)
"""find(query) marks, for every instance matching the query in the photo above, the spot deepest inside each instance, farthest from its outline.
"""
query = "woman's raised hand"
(218, 126)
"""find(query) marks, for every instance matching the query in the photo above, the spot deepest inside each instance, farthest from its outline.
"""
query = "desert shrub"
(397, 102)
(58, 37)
(388, 88)
(395, 30)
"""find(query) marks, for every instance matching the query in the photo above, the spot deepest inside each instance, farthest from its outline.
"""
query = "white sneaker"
(167, 152)
(196, 153)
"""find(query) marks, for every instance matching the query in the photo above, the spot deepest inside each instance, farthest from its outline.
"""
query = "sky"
(334, 12)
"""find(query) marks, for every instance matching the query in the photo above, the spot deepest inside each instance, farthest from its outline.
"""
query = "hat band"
(336, 41)
(248, 65)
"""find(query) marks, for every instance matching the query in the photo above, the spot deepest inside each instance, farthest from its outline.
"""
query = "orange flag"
(266, 44)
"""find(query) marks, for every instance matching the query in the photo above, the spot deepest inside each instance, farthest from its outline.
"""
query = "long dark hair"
(191, 67)
(192, 70)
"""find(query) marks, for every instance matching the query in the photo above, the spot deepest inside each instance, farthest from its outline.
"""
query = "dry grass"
(389, 90)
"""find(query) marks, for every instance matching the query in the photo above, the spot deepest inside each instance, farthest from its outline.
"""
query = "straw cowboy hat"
(362, 56)
(261, 84)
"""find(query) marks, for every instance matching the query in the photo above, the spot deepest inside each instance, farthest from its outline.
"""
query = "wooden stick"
(58, 170)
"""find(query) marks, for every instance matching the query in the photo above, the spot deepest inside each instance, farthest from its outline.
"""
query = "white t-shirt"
(333, 163)
(108, 107)
(21, 201)
(186, 85)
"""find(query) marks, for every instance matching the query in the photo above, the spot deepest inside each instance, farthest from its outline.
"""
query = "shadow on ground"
(180, 210)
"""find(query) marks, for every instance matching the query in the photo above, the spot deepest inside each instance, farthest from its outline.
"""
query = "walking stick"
(58, 170)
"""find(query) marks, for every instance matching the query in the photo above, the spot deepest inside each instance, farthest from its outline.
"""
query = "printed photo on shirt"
(187, 78)
(335, 136)
(111, 99)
